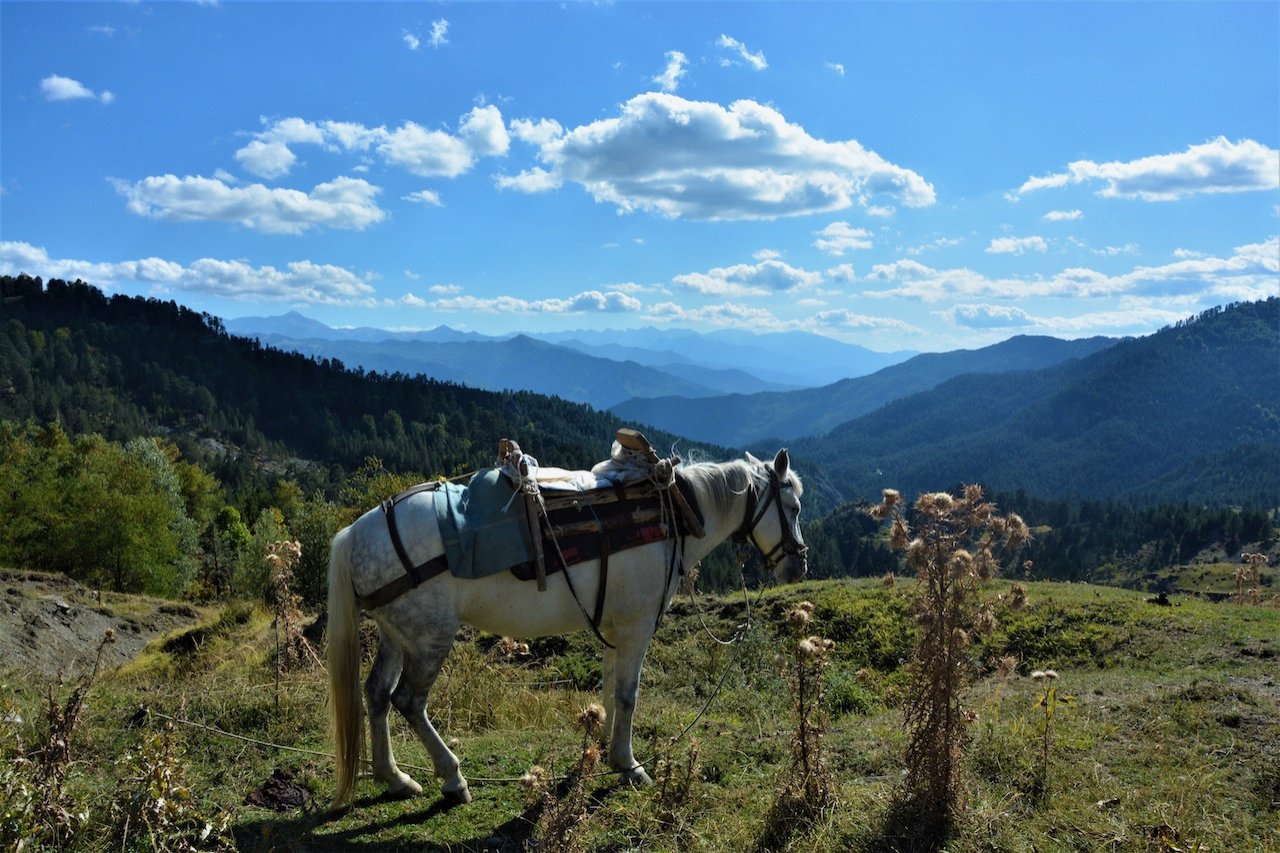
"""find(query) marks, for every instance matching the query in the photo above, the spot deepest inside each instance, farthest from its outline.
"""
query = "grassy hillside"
(1169, 740)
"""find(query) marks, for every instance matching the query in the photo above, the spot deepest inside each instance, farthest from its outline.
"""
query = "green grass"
(1170, 738)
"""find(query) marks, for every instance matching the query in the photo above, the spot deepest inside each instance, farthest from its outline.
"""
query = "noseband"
(788, 544)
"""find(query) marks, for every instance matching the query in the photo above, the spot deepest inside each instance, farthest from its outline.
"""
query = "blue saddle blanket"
(485, 529)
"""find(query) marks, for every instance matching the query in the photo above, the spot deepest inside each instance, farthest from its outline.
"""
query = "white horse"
(417, 629)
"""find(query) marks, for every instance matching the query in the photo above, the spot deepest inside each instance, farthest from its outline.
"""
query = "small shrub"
(152, 802)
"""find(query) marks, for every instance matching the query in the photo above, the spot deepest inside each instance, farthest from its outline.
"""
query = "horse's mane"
(722, 482)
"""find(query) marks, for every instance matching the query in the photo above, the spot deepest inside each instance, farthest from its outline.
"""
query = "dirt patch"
(51, 626)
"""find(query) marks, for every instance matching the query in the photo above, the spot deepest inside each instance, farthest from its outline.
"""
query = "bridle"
(756, 508)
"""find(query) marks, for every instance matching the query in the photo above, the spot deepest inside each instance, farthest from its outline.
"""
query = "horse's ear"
(781, 464)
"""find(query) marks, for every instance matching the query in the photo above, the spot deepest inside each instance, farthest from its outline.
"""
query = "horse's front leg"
(410, 699)
(383, 679)
(628, 659)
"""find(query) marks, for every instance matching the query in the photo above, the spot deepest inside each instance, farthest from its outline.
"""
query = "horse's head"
(772, 520)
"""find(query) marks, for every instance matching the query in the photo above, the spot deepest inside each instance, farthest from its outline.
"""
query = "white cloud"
(760, 279)
(439, 29)
(936, 243)
(1216, 166)
(1016, 245)
(484, 132)
(411, 301)
(424, 152)
(1250, 273)
(444, 289)
(840, 237)
(266, 159)
(988, 316)
(424, 197)
(533, 180)
(755, 60)
(724, 314)
(1063, 215)
(669, 79)
(836, 68)
(589, 301)
(885, 210)
(538, 132)
(766, 254)
(693, 159)
(299, 282)
(842, 319)
(842, 273)
(412, 41)
(343, 203)
(58, 88)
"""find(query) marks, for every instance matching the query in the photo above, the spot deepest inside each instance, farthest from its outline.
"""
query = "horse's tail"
(345, 711)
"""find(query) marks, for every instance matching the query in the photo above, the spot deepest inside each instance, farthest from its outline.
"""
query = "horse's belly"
(518, 609)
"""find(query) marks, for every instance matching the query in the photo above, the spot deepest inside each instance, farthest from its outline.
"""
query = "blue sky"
(903, 176)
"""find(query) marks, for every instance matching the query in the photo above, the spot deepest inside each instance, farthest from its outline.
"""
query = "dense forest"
(145, 449)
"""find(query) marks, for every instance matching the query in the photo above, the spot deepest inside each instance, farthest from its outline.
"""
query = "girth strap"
(414, 575)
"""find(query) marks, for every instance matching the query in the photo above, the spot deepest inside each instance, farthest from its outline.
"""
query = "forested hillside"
(123, 366)
(1190, 413)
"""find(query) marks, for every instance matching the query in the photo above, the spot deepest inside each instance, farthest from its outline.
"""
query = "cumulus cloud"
(669, 79)
(755, 60)
(58, 88)
(836, 68)
(439, 29)
(1063, 215)
(760, 279)
(538, 132)
(1216, 166)
(1016, 245)
(343, 203)
(298, 282)
(412, 41)
(424, 152)
(840, 237)
(698, 160)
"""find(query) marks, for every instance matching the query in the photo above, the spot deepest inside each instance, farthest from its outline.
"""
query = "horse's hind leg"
(410, 699)
(383, 678)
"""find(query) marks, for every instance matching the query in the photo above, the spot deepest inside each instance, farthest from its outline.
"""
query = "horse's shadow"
(298, 831)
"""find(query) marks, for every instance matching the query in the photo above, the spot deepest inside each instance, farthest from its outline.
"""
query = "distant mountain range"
(741, 419)
(1190, 413)
(600, 369)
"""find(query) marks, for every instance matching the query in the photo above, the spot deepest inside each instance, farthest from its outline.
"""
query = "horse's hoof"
(459, 797)
(403, 788)
(635, 777)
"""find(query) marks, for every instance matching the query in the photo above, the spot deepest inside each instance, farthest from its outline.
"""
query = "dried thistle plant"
(292, 649)
(807, 788)
(1251, 575)
(951, 546)
(559, 826)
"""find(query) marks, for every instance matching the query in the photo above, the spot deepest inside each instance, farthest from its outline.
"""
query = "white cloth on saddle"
(623, 466)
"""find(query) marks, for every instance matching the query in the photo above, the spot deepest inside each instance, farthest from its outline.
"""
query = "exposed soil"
(52, 626)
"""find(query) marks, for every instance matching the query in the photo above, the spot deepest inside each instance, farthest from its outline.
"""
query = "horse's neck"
(720, 523)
